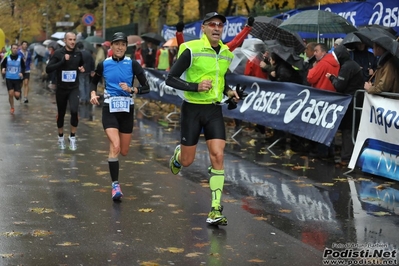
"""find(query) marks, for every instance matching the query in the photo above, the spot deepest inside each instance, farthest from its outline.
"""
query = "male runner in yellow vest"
(199, 77)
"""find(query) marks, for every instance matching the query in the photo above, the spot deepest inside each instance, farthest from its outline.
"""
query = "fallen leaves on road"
(193, 254)
(146, 210)
(284, 211)
(260, 218)
(41, 233)
(256, 260)
(69, 216)
(12, 234)
(67, 244)
(41, 210)
(90, 184)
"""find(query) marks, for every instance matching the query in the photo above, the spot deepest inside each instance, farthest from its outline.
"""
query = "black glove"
(240, 91)
(179, 26)
(250, 21)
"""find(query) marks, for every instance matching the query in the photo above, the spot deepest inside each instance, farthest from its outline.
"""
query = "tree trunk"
(181, 9)
(163, 12)
(206, 6)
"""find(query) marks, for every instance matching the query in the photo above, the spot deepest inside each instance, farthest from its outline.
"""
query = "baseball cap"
(338, 41)
(119, 36)
(210, 15)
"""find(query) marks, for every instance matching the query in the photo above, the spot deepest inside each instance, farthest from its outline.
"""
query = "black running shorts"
(123, 121)
(197, 117)
(14, 84)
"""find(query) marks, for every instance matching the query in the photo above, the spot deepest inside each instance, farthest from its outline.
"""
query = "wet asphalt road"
(283, 208)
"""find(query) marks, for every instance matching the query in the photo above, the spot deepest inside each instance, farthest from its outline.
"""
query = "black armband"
(143, 89)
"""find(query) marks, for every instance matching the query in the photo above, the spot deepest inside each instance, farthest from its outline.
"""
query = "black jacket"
(59, 64)
(350, 76)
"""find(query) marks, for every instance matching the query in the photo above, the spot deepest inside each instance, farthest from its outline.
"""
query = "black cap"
(119, 36)
(210, 15)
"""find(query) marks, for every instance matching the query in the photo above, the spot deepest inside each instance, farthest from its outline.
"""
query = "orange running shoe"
(12, 110)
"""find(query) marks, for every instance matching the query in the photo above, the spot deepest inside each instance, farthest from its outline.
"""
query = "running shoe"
(12, 110)
(26, 100)
(215, 216)
(72, 143)
(61, 143)
(175, 167)
(116, 191)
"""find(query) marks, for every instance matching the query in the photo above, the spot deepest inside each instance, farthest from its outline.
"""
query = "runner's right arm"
(56, 61)
(174, 80)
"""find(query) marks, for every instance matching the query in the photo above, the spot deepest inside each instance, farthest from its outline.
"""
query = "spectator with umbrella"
(387, 73)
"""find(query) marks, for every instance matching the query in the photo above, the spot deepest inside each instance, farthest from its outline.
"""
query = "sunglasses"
(213, 24)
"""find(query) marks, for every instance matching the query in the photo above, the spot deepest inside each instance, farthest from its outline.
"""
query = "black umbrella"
(88, 46)
(368, 33)
(389, 44)
(351, 40)
(285, 53)
(266, 28)
(153, 37)
(382, 27)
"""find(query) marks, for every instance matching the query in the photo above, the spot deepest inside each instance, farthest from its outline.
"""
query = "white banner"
(377, 144)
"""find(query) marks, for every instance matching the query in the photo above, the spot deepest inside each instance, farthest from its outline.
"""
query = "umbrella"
(88, 46)
(388, 44)
(47, 42)
(61, 42)
(367, 33)
(266, 28)
(133, 40)
(40, 50)
(153, 37)
(58, 35)
(237, 66)
(286, 53)
(350, 40)
(388, 29)
(318, 21)
(95, 39)
(251, 49)
(171, 43)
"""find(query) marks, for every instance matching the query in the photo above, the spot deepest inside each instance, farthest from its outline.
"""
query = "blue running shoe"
(116, 191)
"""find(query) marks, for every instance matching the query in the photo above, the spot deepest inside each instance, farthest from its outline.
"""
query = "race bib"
(13, 70)
(68, 75)
(119, 104)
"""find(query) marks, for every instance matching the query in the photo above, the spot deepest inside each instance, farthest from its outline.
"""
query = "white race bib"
(68, 75)
(119, 104)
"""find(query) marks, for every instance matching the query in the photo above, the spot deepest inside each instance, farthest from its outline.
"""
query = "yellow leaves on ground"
(171, 250)
(90, 184)
(256, 261)
(196, 228)
(41, 210)
(201, 245)
(148, 263)
(7, 256)
(69, 216)
(193, 254)
(341, 179)
(284, 211)
(381, 213)
(12, 234)
(304, 185)
(67, 244)
(327, 184)
(102, 173)
(72, 180)
(146, 210)
(41, 233)
(260, 218)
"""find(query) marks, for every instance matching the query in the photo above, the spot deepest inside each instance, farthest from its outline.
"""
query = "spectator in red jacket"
(325, 63)
(233, 44)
